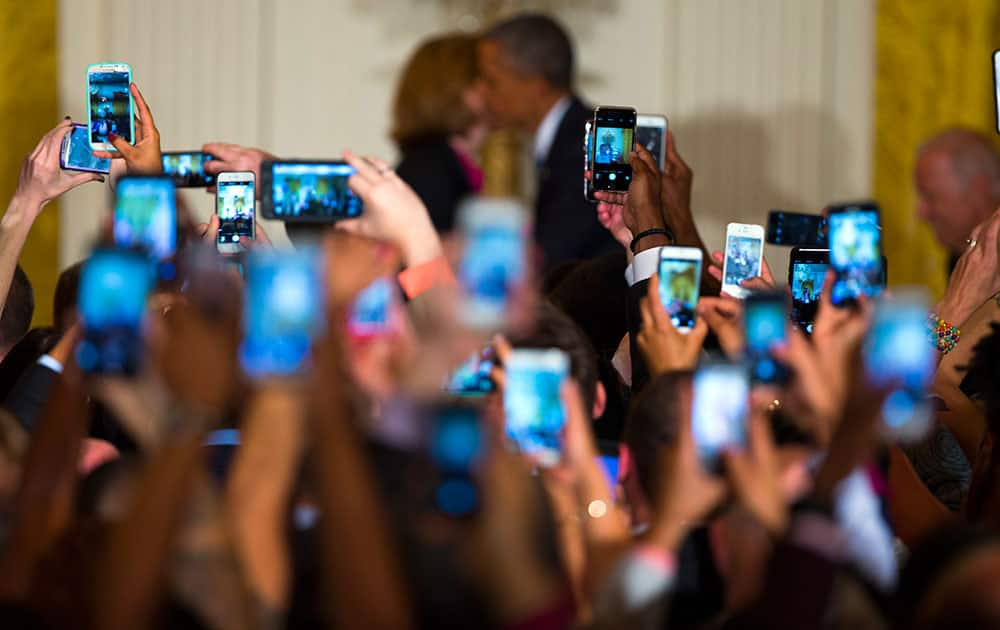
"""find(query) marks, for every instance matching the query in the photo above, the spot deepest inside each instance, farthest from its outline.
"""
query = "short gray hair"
(971, 154)
(536, 45)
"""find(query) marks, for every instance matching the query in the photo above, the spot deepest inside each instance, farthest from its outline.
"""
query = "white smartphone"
(744, 253)
(680, 283)
(234, 203)
(532, 401)
(110, 109)
(651, 133)
(719, 410)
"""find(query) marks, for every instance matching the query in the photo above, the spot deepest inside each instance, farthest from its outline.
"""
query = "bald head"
(958, 183)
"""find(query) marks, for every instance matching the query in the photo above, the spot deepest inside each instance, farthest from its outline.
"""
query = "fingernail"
(112, 136)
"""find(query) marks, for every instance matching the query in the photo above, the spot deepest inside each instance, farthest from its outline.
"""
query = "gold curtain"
(28, 104)
(934, 70)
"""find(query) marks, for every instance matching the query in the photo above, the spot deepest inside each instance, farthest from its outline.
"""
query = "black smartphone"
(114, 285)
(456, 445)
(307, 191)
(614, 137)
(806, 271)
(765, 317)
(187, 168)
(855, 236)
(796, 229)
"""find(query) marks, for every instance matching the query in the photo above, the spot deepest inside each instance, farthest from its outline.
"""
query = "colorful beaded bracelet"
(941, 334)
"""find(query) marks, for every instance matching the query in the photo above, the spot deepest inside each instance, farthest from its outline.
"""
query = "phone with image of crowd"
(75, 153)
(744, 256)
(114, 286)
(680, 284)
(110, 109)
(493, 264)
(533, 404)
(146, 214)
(614, 137)
(474, 377)
(456, 447)
(651, 133)
(373, 311)
(855, 236)
(187, 168)
(282, 311)
(234, 203)
(765, 321)
(806, 274)
(308, 191)
(896, 352)
(719, 410)
(796, 229)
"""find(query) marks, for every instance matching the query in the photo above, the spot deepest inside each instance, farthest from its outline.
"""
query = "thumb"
(699, 332)
(123, 147)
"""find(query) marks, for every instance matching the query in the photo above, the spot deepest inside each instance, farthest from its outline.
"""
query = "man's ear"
(600, 400)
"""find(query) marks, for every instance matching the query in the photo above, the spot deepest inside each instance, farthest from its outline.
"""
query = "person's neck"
(545, 105)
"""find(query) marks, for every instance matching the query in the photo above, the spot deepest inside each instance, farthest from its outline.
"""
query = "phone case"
(131, 104)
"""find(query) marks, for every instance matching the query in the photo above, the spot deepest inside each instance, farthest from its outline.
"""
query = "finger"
(145, 116)
(699, 332)
(363, 169)
(761, 440)
(673, 156)
(350, 226)
(499, 377)
(726, 306)
(201, 229)
(765, 272)
(361, 186)
(502, 349)
(108, 155)
(718, 257)
(260, 235)
(123, 147)
(659, 314)
(646, 314)
(83, 178)
(715, 272)
(756, 284)
(380, 165)
(226, 155)
(647, 159)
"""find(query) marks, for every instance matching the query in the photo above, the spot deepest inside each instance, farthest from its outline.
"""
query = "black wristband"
(651, 232)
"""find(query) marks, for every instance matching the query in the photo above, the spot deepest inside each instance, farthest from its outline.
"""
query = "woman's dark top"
(436, 173)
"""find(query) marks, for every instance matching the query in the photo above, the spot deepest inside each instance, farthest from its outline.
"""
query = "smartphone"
(651, 133)
(473, 378)
(282, 311)
(304, 191)
(614, 135)
(680, 282)
(188, 168)
(806, 273)
(533, 404)
(114, 285)
(588, 141)
(493, 263)
(765, 317)
(855, 251)
(146, 214)
(744, 253)
(896, 352)
(234, 203)
(996, 85)
(110, 109)
(456, 446)
(719, 410)
(795, 229)
(372, 313)
(75, 153)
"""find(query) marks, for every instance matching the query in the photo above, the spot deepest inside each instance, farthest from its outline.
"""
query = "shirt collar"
(546, 133)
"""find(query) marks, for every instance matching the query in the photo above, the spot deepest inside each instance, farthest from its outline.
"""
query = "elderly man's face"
(943, 202)
(509, 95)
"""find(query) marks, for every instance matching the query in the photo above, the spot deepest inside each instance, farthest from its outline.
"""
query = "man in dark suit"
(526, 63)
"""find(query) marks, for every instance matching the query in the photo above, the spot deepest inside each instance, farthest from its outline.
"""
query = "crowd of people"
(192, 496)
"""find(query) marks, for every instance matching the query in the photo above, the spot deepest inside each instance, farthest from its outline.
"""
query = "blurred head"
(18, 310)
(957, 176)
(526, 63)
(438, 93)
(64, 300)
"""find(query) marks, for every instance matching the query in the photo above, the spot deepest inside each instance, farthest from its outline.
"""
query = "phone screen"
(855, 253)
(719, 410)
(456, 445)
(114, 285)
(896, 351)
(493, 264)
(234, 202)
(680, 281)
(146, 215)
(613, 141)
(79, 156)
(283, 311)
(791, 228)
(532, 402)
(652, 139)
(743, 256)
(765, 318)
(371, 312)
(188, 169)
(807, 286)
(305, 191)
(473, 378)
(110, 105)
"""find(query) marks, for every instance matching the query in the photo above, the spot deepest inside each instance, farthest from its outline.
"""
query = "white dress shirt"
(546, 133)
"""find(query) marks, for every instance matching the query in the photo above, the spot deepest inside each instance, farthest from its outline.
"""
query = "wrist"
(21, 212)
(420, 245)
(669, 535)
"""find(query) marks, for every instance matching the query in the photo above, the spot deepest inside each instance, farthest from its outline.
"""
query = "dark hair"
(982, 375)
(18, 309)
(65, 297)
(536, 45)
(554, 329)
(653, 423)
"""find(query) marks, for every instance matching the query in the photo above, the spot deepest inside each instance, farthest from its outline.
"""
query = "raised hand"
(145, 157)
(41, 178)
(755, 475)
(764, 282)
(975, 278)
(665, 348)
(233, 157)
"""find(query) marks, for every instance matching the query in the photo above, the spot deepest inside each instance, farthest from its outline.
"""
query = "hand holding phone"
(614, 136)
(76, 155)
(806, 274)
(680, 283)
(719, 411)
(744, 257)
(855, 236)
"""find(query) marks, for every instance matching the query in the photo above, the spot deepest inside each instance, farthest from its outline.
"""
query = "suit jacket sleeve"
(29, 394)
(640, 371)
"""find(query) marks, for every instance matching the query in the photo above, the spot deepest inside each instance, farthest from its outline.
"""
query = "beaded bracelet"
(941, 334)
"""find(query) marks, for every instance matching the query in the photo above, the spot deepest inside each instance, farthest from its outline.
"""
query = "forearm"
(14, 229)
